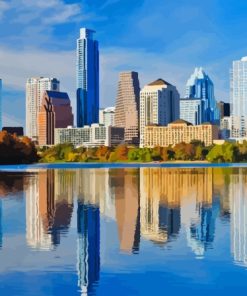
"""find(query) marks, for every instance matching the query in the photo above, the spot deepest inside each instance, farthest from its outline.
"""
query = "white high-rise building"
(159, 105)
(239, 97)
(35, 87)
(0, 104)
(107, 116)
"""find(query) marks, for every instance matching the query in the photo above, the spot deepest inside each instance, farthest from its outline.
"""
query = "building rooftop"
(181, 121)
(159, 82)
(57, 95)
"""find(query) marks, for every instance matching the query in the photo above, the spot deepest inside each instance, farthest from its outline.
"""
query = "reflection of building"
(160, 204)
(238, 193)
(49, 208)
(171, 197)
(1, 231)
(88, 252)
(125, 184)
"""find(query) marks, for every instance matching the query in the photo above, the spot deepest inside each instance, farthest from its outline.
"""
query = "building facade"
(90, 136)
(107, 116)
(87, 78)
(238, 98)
(55, 112)
(200, 86)
(35, 88)
(159, 104)
(127, 106)
(224, 109)
(178, 132)
(191, 110)
(226, 127)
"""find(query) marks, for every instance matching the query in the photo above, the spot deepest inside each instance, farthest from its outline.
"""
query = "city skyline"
(122, 51)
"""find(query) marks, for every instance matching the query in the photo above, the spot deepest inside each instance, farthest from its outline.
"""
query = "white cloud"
(4, 6)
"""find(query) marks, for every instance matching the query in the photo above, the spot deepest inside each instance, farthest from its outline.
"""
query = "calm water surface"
(146, 231)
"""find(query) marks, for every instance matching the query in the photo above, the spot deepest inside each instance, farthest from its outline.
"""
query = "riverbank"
(119, 165)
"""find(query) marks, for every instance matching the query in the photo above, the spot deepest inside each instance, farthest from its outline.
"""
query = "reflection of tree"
(88, 226)
(12, 183)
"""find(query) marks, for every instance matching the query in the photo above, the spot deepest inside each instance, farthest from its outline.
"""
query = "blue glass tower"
(87, 78)
(200, 86)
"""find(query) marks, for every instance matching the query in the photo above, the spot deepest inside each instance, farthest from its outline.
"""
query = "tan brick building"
(179, 131)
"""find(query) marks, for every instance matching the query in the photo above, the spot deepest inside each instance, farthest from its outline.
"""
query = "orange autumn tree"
(14, 150)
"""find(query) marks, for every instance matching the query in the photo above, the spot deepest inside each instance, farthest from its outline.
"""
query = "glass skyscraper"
(87, 78)
(200, 86)
(239, 97)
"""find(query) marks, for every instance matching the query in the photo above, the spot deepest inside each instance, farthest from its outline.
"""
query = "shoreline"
(116, 165)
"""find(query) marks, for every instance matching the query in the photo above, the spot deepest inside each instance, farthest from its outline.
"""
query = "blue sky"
(161, 38)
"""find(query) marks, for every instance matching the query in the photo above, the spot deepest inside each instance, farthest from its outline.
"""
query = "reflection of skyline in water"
(1, 231)
(147, 204)
(49, 206)
(88, 249)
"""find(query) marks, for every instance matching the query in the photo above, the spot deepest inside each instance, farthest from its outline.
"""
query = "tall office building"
(200, 86)
(127, 106)
(238, 97)
(191, 110)
(35, 88)
(87, 78)
(159, 105)
(55, 112)
(0, 104)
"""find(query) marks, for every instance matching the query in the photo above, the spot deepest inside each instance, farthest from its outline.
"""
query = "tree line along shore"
(21, 150)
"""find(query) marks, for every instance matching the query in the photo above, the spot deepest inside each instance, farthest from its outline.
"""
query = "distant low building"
(55, 112)
(90, 136)
(179, 131)
(226, 127)
(107, 116)
(14, 130)
(224, 109)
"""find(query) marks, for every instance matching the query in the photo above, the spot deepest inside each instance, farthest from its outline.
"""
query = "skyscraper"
(87, 67)
(238, 97)
(159, 104)
(35, 87)
(55, 112)
(200, 86)
(191, 110)
(0, 104)
(127, 106)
